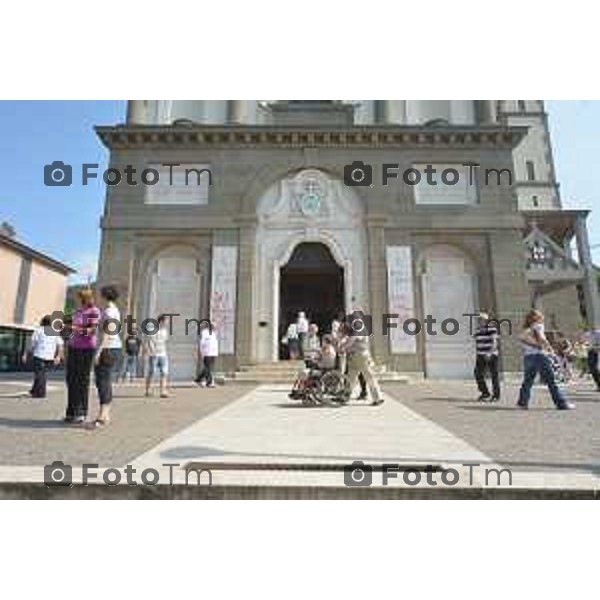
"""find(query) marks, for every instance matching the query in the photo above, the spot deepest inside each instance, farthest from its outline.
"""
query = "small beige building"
(33, 285)
(272, 224)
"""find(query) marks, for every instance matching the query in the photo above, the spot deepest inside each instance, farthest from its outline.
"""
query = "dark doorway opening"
(312, 282)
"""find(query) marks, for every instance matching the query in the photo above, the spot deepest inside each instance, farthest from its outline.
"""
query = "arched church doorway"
(313, 282)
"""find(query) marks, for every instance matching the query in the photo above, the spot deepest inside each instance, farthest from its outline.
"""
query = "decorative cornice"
(239, 136)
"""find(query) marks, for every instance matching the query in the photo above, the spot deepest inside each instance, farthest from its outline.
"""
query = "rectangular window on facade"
(521, 105)
(450, 184)
(530, 170)
(181, 184)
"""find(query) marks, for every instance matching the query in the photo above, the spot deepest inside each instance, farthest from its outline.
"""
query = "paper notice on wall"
(223, 296)
(401, 300)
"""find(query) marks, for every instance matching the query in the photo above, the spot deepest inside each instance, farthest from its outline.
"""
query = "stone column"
(246, 313)
(137, 112)
(488, 113)
(512, 297)
(462, 112)
(394, 111)
(377, 286)
(244, 112)
(590, 278)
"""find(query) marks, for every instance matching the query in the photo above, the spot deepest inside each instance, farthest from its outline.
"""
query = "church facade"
(265, 208)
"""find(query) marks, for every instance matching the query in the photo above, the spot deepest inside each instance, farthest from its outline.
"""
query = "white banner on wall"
(400, 297)
(223, 296)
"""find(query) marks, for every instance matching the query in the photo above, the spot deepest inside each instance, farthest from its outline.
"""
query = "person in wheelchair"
(318, 362)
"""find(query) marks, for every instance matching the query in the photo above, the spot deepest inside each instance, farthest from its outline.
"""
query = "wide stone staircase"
(285, 371)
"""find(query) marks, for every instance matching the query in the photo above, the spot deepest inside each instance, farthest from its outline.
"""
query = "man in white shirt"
(208, 350)
(155, 348)
(46, 350)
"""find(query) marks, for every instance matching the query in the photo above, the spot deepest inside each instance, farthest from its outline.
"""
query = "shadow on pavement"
(32, 423)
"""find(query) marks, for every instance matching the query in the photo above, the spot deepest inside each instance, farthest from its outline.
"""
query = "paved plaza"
(255, 436)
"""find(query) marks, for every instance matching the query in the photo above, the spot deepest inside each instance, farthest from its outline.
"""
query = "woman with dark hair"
(81, 349)
(535, 360)
(109, 352)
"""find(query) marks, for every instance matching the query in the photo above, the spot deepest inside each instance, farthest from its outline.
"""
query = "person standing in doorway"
(535, 360)
(208, 349)
(154, 348)
(47, 350)
(302, 329)
(81, 349)
(486, 346)
(336, 324)
(293, 342)
(109, 352)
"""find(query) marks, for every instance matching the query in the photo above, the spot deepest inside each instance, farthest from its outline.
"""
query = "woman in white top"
(108, 353)
(535, 360)
(327, 358)
(208, 349)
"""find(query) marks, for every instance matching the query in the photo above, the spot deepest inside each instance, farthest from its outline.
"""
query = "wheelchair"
(320, 386)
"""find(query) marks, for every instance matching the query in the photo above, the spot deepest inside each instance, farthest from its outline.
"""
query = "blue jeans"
(130, 366)
(532, 365)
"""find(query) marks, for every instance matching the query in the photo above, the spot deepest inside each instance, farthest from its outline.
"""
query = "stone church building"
(265, 225)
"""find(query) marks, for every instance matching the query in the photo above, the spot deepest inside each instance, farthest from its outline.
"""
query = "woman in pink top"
(81, 349)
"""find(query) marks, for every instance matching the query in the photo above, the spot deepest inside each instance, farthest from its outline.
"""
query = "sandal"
(97, 424)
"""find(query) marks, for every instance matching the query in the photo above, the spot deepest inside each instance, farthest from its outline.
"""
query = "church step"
(278, 367)
(272, 376)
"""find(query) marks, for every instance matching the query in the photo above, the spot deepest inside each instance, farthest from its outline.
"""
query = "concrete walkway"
(260, 438)
(266, 439)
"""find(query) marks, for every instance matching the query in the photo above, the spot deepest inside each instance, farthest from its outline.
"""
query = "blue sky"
(63, 221)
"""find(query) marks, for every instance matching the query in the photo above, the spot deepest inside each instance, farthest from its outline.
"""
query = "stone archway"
(175, 283)
(449, 291)
(313, 282)
(306, 207)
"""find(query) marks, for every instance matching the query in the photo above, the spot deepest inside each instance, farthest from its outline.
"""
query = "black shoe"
(522, 406)
(483, 398)
(495, 399)
(377, 402)
(363, 397)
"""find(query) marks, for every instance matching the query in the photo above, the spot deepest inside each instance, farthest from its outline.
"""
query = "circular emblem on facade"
(311, 204)
(311, 190)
